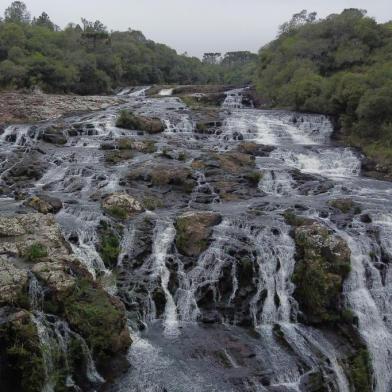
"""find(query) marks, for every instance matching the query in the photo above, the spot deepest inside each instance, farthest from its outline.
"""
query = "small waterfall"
(277, 183)
(20, 135)
(369, 299)
(233, 100)
(166, 92)
(204, 192)
(327, 162)
(182, 126)
(55, 336)
(163, 239)
(275, 259)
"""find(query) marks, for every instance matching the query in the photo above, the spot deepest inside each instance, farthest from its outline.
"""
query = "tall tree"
(17, 13)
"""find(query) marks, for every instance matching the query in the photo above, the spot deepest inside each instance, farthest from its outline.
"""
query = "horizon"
(164, 22)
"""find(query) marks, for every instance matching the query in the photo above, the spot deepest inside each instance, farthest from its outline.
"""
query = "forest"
(340, 66)
(86, 58)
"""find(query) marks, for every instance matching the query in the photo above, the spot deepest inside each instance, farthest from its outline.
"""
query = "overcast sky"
(198, 26)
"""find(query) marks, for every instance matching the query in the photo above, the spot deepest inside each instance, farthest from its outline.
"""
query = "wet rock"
(345, 206)
(121, 205)
(117, 156)
(45, 204)
(12, 282)
(323, 263)
(194, 230)
(128, 120)
(173, 175)
(54, 135)
(258, 150)
(57, 275)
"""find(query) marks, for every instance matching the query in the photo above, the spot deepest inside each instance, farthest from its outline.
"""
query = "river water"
(231, 344)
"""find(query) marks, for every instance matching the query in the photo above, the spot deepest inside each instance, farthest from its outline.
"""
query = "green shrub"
(35, 252)
(127, 120)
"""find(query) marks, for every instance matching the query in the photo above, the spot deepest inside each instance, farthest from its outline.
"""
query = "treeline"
(340, 65)
(88, 59)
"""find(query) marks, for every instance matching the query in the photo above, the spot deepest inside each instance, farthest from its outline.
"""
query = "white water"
(163, 238)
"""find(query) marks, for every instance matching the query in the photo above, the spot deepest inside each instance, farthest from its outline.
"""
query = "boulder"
(128, 120)
(45, 204)
(194, 230)
(54, 135)
(122, 205)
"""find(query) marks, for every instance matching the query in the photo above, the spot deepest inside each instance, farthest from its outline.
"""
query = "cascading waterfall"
(55, 336)
(163, 239)
(194, 337)
(369, 298)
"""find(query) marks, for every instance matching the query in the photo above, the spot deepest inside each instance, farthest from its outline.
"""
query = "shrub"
(35, 252)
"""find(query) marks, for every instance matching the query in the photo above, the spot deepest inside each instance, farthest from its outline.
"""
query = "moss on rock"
(22, 368)
(128, 120)
(323, 263)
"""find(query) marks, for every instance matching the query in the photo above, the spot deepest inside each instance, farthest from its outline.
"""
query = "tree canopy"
(88, 59)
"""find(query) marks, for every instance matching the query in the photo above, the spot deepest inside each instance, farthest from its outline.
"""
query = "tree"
(298, 20)
(212, 58)
(44, 21)
(17, 13)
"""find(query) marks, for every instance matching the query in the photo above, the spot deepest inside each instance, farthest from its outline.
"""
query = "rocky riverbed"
(202, 247)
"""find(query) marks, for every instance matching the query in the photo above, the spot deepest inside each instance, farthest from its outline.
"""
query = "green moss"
(360, 371)
(319, 275)
(117, 212)
(152, 203)
(109, 249)
(89, 311)
(254, 177)
(127, 120)
(345, 206)
(35, 252)
(292, 219)
(124, 144)
(22, 354)
(117, 156)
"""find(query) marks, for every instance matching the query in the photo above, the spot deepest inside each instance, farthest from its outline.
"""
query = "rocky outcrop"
(122, 206)
(194, 230)
(323, 263)
(42, 282)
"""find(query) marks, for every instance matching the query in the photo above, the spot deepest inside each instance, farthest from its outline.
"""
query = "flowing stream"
(225, 320)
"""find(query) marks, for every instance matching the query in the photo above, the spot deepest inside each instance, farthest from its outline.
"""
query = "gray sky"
(199, 26)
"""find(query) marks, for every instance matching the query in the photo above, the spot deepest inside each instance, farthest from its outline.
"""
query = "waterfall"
(55, 336)
(277, 183)
(163, 239)
(369, 299)
(203, 192)
(233, 100)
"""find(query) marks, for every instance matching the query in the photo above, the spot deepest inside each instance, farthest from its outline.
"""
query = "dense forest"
(340, 65)
(88, 59)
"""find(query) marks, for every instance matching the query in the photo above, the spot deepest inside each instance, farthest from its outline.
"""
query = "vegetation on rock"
(128, 120)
